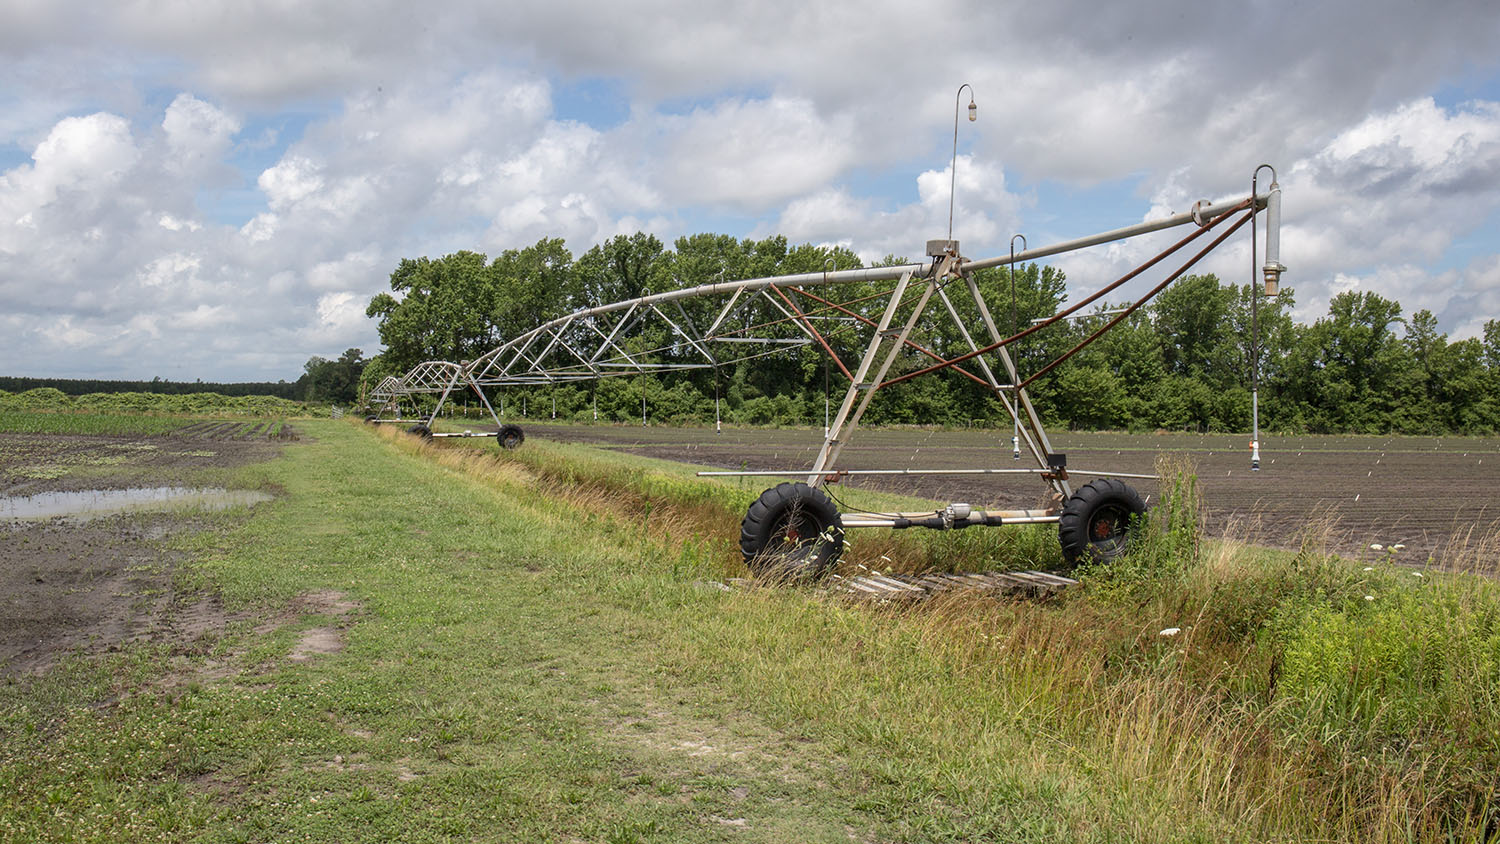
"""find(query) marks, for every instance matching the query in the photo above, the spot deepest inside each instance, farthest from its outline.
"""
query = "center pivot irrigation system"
(910, 321)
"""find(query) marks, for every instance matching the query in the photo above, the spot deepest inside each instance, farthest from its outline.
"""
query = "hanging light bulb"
(973, 111)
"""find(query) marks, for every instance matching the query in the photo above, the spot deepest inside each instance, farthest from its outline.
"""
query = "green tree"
(1199, 340)
(444, 310)
(1341, 371)
(1134, 351)
(332, 380)
(623, 268)
(1462, 390)
(1184, 362)
(530, 286)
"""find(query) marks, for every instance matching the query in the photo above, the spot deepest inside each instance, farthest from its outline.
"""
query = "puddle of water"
(94, 503)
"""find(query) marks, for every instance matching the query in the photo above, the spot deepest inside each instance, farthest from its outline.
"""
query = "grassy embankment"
(534, 658)
(48, 402)
(49, 411)
(96, 424)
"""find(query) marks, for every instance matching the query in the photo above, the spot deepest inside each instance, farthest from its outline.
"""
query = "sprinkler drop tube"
(1255, 434)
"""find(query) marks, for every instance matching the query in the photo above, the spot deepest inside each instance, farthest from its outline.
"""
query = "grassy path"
(426, 657)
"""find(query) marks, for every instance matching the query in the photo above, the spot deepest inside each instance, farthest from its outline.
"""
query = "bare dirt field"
(94, 582)
(1421, 492)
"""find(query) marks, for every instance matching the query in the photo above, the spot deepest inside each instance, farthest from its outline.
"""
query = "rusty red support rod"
(870, 322)
(807, 323)
(1068, 311)
(1138, 303)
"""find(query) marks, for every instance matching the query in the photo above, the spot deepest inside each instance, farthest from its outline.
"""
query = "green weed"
(133, 404)
(107, 424)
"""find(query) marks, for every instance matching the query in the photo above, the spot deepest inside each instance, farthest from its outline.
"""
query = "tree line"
(160, 386)
(1185, 361)
(322, 380)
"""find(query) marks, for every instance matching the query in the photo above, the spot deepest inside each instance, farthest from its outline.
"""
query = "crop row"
(126, 425)
(105, 424)
(234, 430)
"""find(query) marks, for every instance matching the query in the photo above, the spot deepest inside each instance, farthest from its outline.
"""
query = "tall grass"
(1272, 695)
(672, 503)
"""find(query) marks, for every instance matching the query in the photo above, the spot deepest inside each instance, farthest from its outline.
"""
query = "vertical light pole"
(953, 170)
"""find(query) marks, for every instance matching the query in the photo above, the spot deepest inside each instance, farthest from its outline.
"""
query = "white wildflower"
(1369, 568)
(1369, 597)
(1170, 632)
(1377, 547)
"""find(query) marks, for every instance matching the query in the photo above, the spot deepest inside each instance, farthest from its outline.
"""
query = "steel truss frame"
(708, 326)
(430, 377)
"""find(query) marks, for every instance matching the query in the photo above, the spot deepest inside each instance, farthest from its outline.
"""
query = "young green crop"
(108, 424)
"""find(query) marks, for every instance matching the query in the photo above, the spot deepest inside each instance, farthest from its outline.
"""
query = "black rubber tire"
(510, 436)
(792, 532)
(371, 419)
(1097, 522)
(420, 430)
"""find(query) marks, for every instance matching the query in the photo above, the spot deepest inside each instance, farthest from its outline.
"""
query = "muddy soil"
(92, 585)
(35, 463)
(1429, 494)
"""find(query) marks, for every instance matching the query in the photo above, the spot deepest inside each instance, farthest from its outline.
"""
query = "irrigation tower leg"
(486, 401)
(849, 413)
(442, 398)
(995, 386)
(1063, 488)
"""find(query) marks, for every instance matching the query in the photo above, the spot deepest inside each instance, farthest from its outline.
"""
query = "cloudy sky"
(215, 188)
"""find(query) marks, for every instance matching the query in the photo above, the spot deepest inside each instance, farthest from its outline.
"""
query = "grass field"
(438, 643)
(106, 424)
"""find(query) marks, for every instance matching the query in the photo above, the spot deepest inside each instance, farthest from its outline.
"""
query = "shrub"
(1417, 657)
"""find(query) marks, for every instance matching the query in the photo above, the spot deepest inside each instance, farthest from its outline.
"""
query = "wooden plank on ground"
(893, 583)
(876, 584)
